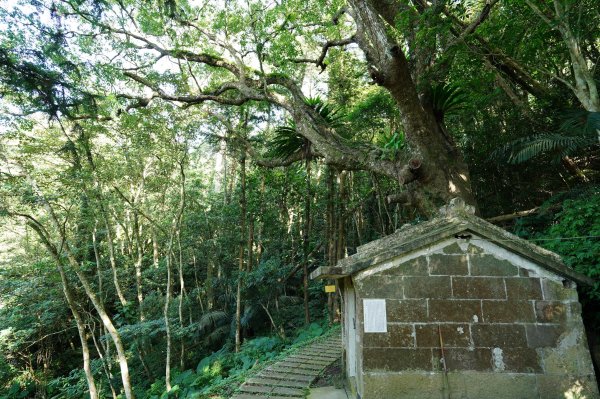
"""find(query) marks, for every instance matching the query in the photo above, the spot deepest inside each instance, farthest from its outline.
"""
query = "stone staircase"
(289, 378)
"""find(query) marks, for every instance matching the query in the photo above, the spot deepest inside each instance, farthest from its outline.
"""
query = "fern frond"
(287, 300)
(526, 148)
(581, 122)
(217, 335)
(286, 142)
(448, 98)
(212, 319)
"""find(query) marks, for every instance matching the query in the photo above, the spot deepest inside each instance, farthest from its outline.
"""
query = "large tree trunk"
(437, 166)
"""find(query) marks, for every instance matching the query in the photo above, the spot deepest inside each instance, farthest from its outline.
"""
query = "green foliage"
(331, 115)
(52, 71)
(556, 145)
(578, 130)
(393, 144)
(309, 332)
(573, 233)
(288, 141)
(580, 121)
(447, 98)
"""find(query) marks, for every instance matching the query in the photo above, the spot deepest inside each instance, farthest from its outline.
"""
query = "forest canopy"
(171, 171)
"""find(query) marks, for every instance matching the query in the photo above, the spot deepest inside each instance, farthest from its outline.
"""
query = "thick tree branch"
(320, 62)
(215, 96)
(502, 62)
(512, 216)
(469, 29)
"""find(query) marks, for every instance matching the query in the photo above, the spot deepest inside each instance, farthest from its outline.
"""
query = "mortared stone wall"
(509, 329)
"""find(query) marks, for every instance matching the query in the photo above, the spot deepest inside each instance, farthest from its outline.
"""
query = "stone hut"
(458, 308)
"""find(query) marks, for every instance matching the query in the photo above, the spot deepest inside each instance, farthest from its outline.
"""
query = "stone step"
(301, 365)
(250, 396)
(308, 360)
(268, 390)
(326, 351)
(320, 358)
(327, 345)
(255, 389)
(294, 392)
(287, 376)
(329, 355)
(276, 382)
(290, 377)
(294, 370)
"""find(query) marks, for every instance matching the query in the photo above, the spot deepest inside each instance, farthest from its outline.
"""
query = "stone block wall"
(502, 320)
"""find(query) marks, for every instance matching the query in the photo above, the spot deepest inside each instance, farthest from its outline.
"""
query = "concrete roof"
(455, 221)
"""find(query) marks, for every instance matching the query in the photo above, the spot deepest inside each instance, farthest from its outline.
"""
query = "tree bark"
(305, 242)
(85, 351)
(440, 170)
(181, 297)
(250, 265)
(139, 249)
(168, 293)
(238, 300)
(169, 260)
(111, 256)
(98, 304)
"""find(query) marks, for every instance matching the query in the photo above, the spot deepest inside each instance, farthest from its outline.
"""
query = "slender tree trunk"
(238, 301)
(155, 254)
(168, 294)
(121, 355)
(97, 257)
(127, 246)
(181, 297)
(104, 364)
(330, 233)
(209, 284)
(139, 249)
(259, 248)
(140, 353)
(197, 285)
(169, 257)
(250, 243)
(305, 242)
(111, 256)
(584, 84)
(98, 305)
(85, 351)
(341, 225)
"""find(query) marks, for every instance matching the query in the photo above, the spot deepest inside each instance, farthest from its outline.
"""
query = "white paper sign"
(375, 317)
